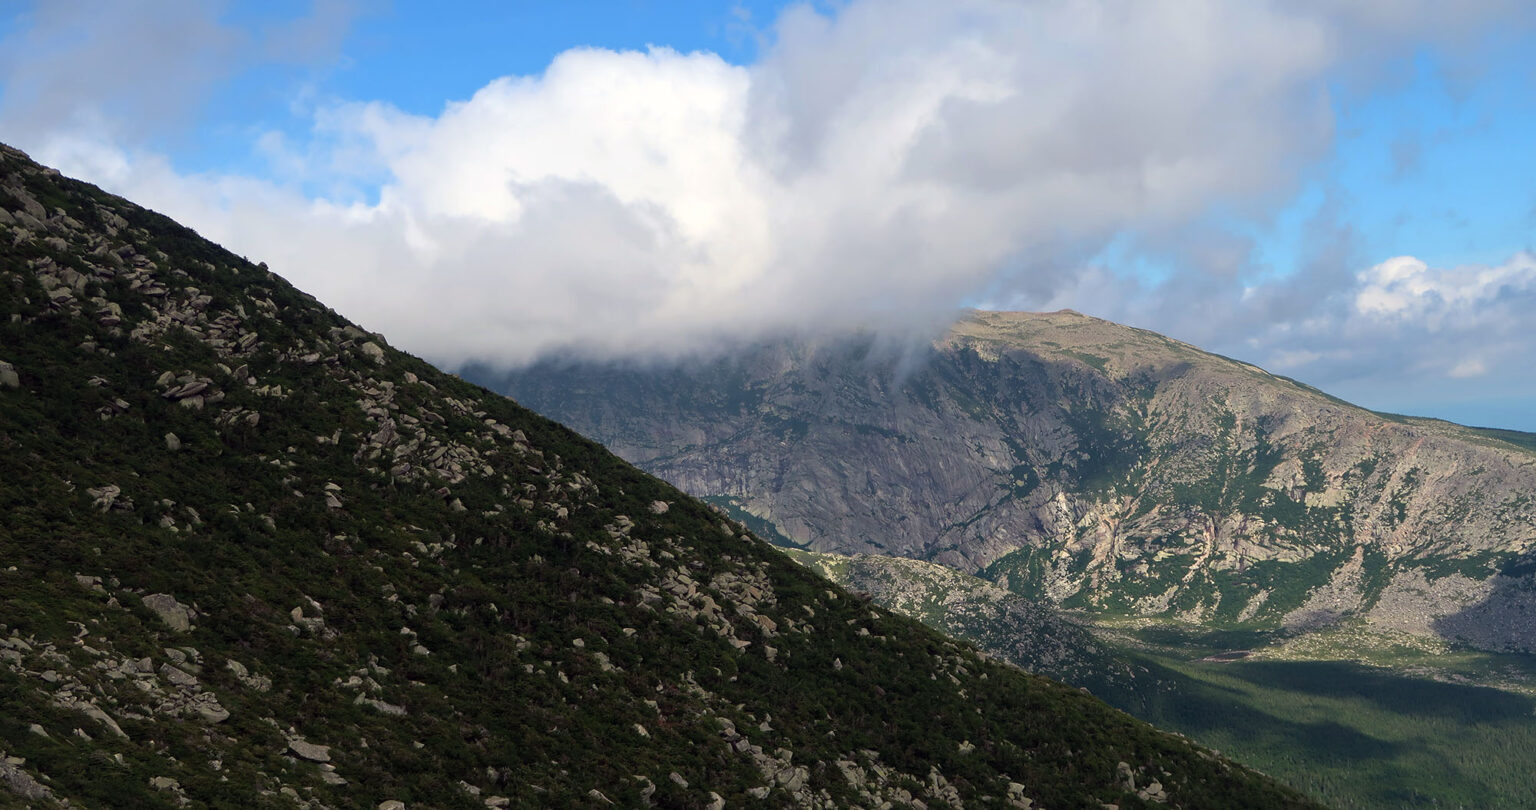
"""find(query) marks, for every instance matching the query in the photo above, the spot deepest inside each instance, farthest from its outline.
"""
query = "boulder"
(8, 376)
(1125, 776)
(212, 712)
(175, 615)
(172, 442)
(310, 751)
(187, 390)
(178, 677)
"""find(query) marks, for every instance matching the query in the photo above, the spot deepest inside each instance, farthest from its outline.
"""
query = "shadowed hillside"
(255, 557)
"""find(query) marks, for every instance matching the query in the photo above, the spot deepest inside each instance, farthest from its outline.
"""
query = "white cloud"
(1470, 367)
(1408, 290)
(883, 164)
(1395, 334)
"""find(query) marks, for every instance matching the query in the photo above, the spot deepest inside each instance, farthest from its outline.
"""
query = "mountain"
(1103, 468)
(252, 556)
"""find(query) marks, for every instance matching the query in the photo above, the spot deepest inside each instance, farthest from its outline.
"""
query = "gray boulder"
(175, 615)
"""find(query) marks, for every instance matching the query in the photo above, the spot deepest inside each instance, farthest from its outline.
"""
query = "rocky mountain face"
(252, 556)
(1100, 467)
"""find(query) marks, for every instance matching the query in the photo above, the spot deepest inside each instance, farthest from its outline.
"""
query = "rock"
(373, 352)
(8, 376)
(172, 442)
(792, 779)
(1153, 792)
(175, 615)
(1125, 776)
(104, 497)
(380, 706)
(678, 779)
(716, 802)
(391, 804)
(187, 391)
(212, 712)
(310, 751)
(177, 677)
(164, 783)
(660, 507)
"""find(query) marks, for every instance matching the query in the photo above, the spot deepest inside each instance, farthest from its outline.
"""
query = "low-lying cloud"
(885, 164)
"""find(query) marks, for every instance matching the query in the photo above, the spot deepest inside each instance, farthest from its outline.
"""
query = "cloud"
(1405, 289)
(885, 164)
(1396, 335)
(1407, 335)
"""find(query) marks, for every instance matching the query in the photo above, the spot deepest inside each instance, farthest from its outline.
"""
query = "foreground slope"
(1101, 467)
(252, 556)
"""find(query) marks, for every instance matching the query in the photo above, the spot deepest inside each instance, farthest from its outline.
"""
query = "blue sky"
(419, 57)
(1342, 191)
